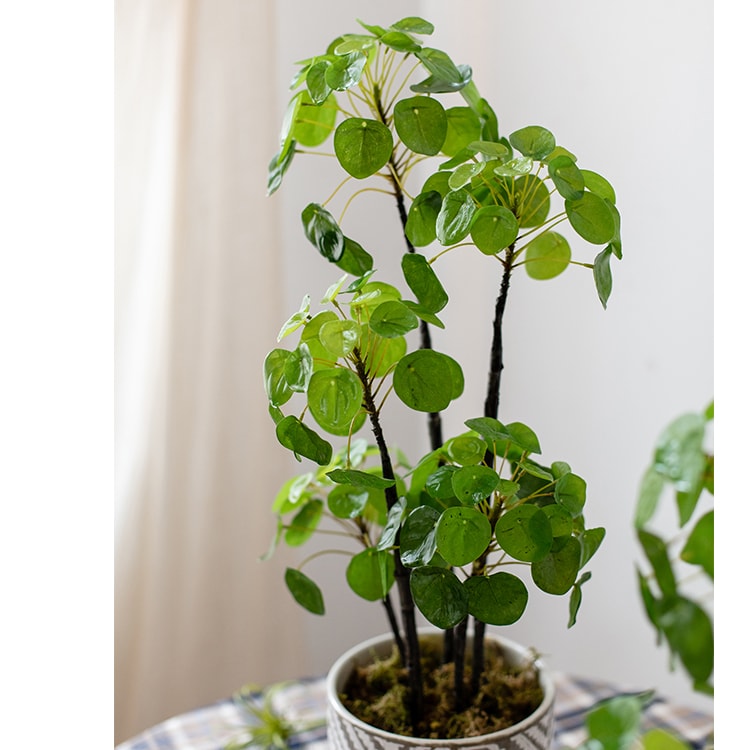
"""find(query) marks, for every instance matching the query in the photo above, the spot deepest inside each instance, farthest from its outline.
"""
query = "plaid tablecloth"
(212, 727)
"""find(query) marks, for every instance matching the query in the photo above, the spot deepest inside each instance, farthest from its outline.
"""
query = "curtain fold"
(196, 307)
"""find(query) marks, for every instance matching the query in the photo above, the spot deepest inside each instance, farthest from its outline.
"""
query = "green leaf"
(381, 354)
(396, 517)
(323, 231)
(472, 484)
(499, 599)
(679, 452)
(298, 368)
(334, 397)
(439, 484)
(422, 218)
(421, 123)
(423, 313)
(489, 428)
(649, 493)
(445, 74)
(346, 71)
(658, 555)
(568, 179)
(591, 218)
(525, 533)
(347, 501)
(414, 25)
(355, 259)
(464, 174)
(439, 596)
(576, 597)
(514, 167)
(570, 492)
(524, 437)
(400, 42)
(310, 337)
(493, 228)
(615, 723)
(425, 380)
(278, 167)
(305, 591)
(314, 123)
(339, 337)
(362, 146)
(590, 543)
(454, 219)
(274, 378)
(360, 479)
(534, 201)
(465, 450)
(556, 573)
(493, 149)
(423, 281)
(533, 140)
(370, 574)
(603, 275)
(689, 632)
(417, 541)
(699, 548)
(547, 256)
(303, 441)
(318, 88)
(659, 739)
(304, 523)
(598, 185)
(462, 534)
(392, 318)
(463, 127)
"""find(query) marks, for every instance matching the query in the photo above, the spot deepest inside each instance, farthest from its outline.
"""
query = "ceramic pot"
(347, 732)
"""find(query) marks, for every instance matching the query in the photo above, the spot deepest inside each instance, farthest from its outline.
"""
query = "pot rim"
(333, 679)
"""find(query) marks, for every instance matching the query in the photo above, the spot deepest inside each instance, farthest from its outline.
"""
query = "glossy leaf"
(568, 179)
(304, 523)
(298, 368)
(425, 380)
(392, 318)
(345, 71)
(462, 534)
(355, 259)
(414, 25)
(514, 167)
(334, 397)
(454, 219)
(439, 483)
(400, 42)
(570, 492)
(679, 452)
(423, 281)
(347, 501)
(310, 337)
(464, 127)
(439, 596)
(278, 167)
(424, 314)
(305, 591)
(392, 527)
(370, 574)
(525, 533)
(699, 548)
(339, 337)
(422, 218)
(533, 140)
(547, 256)
(445, 75)
(362, 146)
(591, 218)
(576, 598)
(598, 185)
(603, 275)
(274, 378)
(523, 436)
(465, 450)
(323, 231)
(489, 428)
(499, 599)
(360, 479)
(556, 573)
(421, 124)
(493, 228)
(464, 174)
(314, 123)
(472, 484)
(318, 87)
(417, 540)
(303, 441)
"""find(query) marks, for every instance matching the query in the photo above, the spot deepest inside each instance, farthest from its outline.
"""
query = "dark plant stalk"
(459, 659)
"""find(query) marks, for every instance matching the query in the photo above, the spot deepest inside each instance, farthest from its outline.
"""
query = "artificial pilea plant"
(443, 529)
(682, 463)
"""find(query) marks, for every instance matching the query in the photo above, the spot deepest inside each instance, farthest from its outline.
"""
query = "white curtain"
(196, 306)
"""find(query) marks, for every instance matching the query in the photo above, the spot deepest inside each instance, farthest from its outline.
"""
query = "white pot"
(347, 732)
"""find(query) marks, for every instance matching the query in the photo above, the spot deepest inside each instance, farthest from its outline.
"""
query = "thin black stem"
(393, 622)
(459, 660)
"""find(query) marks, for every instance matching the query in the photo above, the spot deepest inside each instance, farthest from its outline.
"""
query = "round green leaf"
(547, 256)
(472, 484)
(439, 596)
(417, 540)
(465, 450)
(423, 281)
(392, 318)
(462, 534)
(690, 634)
(274, 378)
(463, 127)
(556, 573)
(339, 337)
(370, 574)
(314, 123)
(525, 533)
(346, 70)
(592, 218)
(464, 174)
(437, 182)
(568, 179)
(533, 140)
(335, 398)
(303, 441)
(421, 123)
(305, 591)
(439, 483)
(323, 231)
(310, 337)
(347, 501)
(422, 218)
(355, 259)
(493, 228)
(424, 380)
(304, 523)
(598, 185)
(560, 520)
(570, 492)
(499, 599)
(514, 167)
(454, 219)
(317, 86)
(699, 548)
(414, 25)
(362, 146)
(298, 368)
(400, 42)
(523, 436)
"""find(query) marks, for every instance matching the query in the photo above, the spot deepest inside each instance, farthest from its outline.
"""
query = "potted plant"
(436, 533)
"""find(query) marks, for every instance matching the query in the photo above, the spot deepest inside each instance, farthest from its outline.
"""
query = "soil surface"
(378, 695)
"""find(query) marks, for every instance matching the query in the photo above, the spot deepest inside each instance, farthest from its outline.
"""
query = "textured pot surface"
(347, 732)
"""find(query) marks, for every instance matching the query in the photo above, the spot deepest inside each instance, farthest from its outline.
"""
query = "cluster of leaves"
(680, 461)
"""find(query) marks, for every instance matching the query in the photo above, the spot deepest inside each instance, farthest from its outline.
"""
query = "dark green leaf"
(360, 479)
(493, 149)
(400, 42)
(533, 140)
(417, 539)
(425, 380)
(699, 548)
(568, 179)
(370, 574)
(414, 25)
(598, 185)
(277, 388)
(303, 441)
(489, 428)
(472, 484)
(657, 554)
(591, 218)
(689, 632)
(499, 599)
(390, 531)
(439, 483)
(278, 167)
(422, 218)
(454, 219)
(525, 533)
(556, 573)
(334, 397)
(304, 523)
(323, 231)
(423, 281)
(423, 313)
(547, 256)
(362, 146)
(570, 492)
(355, 259)
(439, 596)
(305, 592)
(524, 437)
(421, 123)
(465, 450)
(392, 318)
(347, 501)
(603, 275)
(561, 522)
(590, 543)
(575, 599)
(493, 228)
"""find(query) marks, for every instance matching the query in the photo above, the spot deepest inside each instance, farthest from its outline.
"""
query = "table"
(212, 727)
